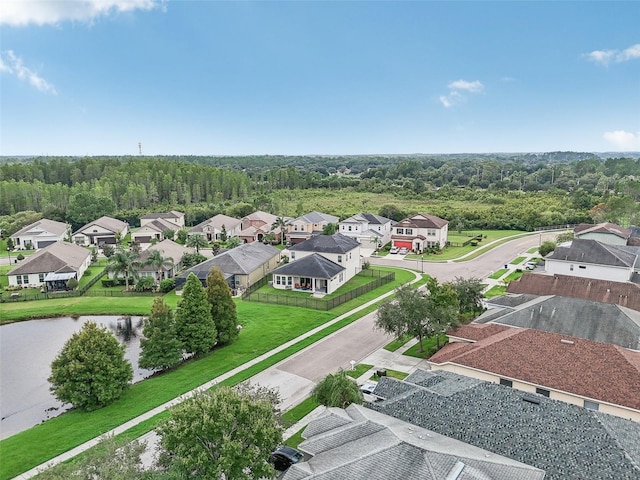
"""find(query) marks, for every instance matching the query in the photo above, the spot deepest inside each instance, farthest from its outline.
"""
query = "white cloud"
(604, 57)
(623, 140)
(43, 12)
(13, 65)
(454, 97)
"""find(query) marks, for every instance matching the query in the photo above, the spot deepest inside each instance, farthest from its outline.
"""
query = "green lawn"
(517, 261)
(359, 370)
(513, 276)
(495, 291)
(429, 345)
(533, 250)
(392, 374)
(498, 273)
(397, 343)
(297, 413)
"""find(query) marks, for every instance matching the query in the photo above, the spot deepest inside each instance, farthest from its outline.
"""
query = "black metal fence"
(379, 278)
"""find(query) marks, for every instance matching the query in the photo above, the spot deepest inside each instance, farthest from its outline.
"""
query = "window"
(400, 231)
(289, 280)
(41, 277)
(408, 231)
(571, 268)
(341, 276)
(431, 232)
(582, 267)
(349, 227)
(339, 258)
(542, 391)
(591, 405)
(506, 383)
(19, 279)
(277, 279)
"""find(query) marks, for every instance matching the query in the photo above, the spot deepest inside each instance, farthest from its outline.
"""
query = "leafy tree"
(442, 308)
(85, 207)
(337, 390)
(330, 229)
(546, 248)
(72, 283)
(223, 234)
(469, 291)
(197, 241)
(280, 223)
(188, 260)
(405, 314)
(167, 285)
(221, 434)
(392, 212)
(158, 262)
(233, 242)
(10, 245)
(240, 210)
(195, 327)
(145, 284)
(564, 237)
(160, 347)
(126, 263)
(168, 233)
(94, 255)
(135, 247)
(90, 371)
(223, 308)
(108, 250)
(181, 236)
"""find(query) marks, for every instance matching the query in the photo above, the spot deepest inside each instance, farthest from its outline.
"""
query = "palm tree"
(337, 390)
(197, 241)
(281, 223)
(158, 262)
(125, 262)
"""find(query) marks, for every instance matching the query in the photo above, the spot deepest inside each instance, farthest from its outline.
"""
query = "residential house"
(214, 228)
(104, 230)
(564, 440)
(591, 259)
(606, 232)
(561, 367)
(368, 229)
(174, 217)
(169, 250)
(358, 443)
(321, 264)
(306, 226)
(241, 266)
(420, 232)
(40, 234)
(51, 267)
(152, 231)
(591, 320)
(258, 224)
(625, 294)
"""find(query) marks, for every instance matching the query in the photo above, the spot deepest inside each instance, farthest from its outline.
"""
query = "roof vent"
(455, 473)
(531, 399)
(566, 342)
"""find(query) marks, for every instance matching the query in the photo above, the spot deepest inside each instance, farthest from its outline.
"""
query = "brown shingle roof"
(606, 227)
(590, 369)
(423, 220)
(57, 257)
(605, 291)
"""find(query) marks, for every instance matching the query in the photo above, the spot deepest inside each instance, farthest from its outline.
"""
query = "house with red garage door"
(419, 232)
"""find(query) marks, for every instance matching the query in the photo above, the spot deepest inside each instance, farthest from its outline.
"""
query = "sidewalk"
(151, 413)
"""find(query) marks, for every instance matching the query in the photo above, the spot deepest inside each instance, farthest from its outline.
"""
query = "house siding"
(588, 270)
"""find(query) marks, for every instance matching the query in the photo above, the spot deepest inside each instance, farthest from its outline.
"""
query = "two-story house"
(104, 230)
(154, 225)
(258, 224)
(216, 227)
(419, 232)
(41, 234)
(304, 227)
(321, 264)
(369, 229)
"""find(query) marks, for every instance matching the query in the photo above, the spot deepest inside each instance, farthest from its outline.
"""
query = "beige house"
(104, 230)
(173, 217)
(169, 250)
(152, 231)
(41, 234)
(304, 227)
(214, 228)
(419, 232)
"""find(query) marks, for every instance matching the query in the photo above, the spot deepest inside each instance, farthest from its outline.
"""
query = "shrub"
(20, 256)
(72, 284)
(109, 282)
(145, 284)
(167, 285)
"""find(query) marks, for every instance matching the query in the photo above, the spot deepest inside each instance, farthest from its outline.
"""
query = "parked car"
(530, 265)
(394, 250)
(368, 388)
(283, 457)
(403, 251)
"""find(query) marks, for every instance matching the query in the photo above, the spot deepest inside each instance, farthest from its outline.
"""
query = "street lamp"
(9, 252)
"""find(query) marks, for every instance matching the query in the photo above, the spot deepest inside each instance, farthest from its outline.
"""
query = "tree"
(168, 233)
(10, 245)
(223, 308)
(337, 390)
(126, 263)
(564, 237)
(405, 314)
(546, 248)
(181, 236)
(145, 284)
(392, 212)
(221, 434)
(469, 291)
(90, 371)
(158, 262)
(85, 207)
(443, 308)
(194, 325)
(188, 260)
(280, 223)
(72, 283)
(223, 234)
(160, 347)
(233, 242)
(330, 229)
(197, 241)
(108, 250)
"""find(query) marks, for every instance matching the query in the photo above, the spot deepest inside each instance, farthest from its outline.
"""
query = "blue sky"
(98, 77)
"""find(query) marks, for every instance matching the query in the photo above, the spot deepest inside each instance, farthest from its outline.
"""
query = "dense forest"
(475, 191)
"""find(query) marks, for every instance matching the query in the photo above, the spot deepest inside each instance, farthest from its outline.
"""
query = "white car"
(530, 265)
(368, 388)
(394, 250)
(403, 251)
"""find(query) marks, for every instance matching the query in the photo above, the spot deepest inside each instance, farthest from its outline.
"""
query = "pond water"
(26, 352)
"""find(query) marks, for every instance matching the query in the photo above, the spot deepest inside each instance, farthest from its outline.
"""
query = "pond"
(26, 352)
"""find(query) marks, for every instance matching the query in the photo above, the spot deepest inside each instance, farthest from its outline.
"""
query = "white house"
(152, 231)
(592, 259)
(169, 250)
(322, 264)
(51, 266)
(368, 229)
(41, 234)
(101, 231)
(213, 228)
(419, 232)
(174, 217)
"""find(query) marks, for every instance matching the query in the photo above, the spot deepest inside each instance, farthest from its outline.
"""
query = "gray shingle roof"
(317, 217)
(315, 266)
(57, 257)
(217, 222)
(373, 446)
(600, 322)
(367, 217)
(171, 214)
(336, 243)
(51, 226)
(112, 224)
(591, 251)
(567, 441)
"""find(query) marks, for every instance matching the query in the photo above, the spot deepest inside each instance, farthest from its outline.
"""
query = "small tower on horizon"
(139, 148)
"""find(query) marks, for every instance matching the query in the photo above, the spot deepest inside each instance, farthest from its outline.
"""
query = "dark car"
(283, 457)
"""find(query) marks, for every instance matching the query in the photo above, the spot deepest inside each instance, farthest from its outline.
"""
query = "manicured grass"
(480, 249)
(391, 373)
(517, 261)
(495, 291)
(429, 345)
(498, 273)
(513, 276)
(297, 413)
(359, 370)
(296, 439)
(533, 250)
(397, 343)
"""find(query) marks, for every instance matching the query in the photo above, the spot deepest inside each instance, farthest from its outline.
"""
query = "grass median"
(265, 328)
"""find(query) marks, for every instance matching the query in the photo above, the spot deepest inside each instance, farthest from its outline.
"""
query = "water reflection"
(26, 352)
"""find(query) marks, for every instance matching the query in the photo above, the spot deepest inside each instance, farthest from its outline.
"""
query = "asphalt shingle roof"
(112, 224)
(51, 226)
(57, 257)
(315, 266)
(594, 252)
(367, 218)
(567, 441)
(336, 243)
